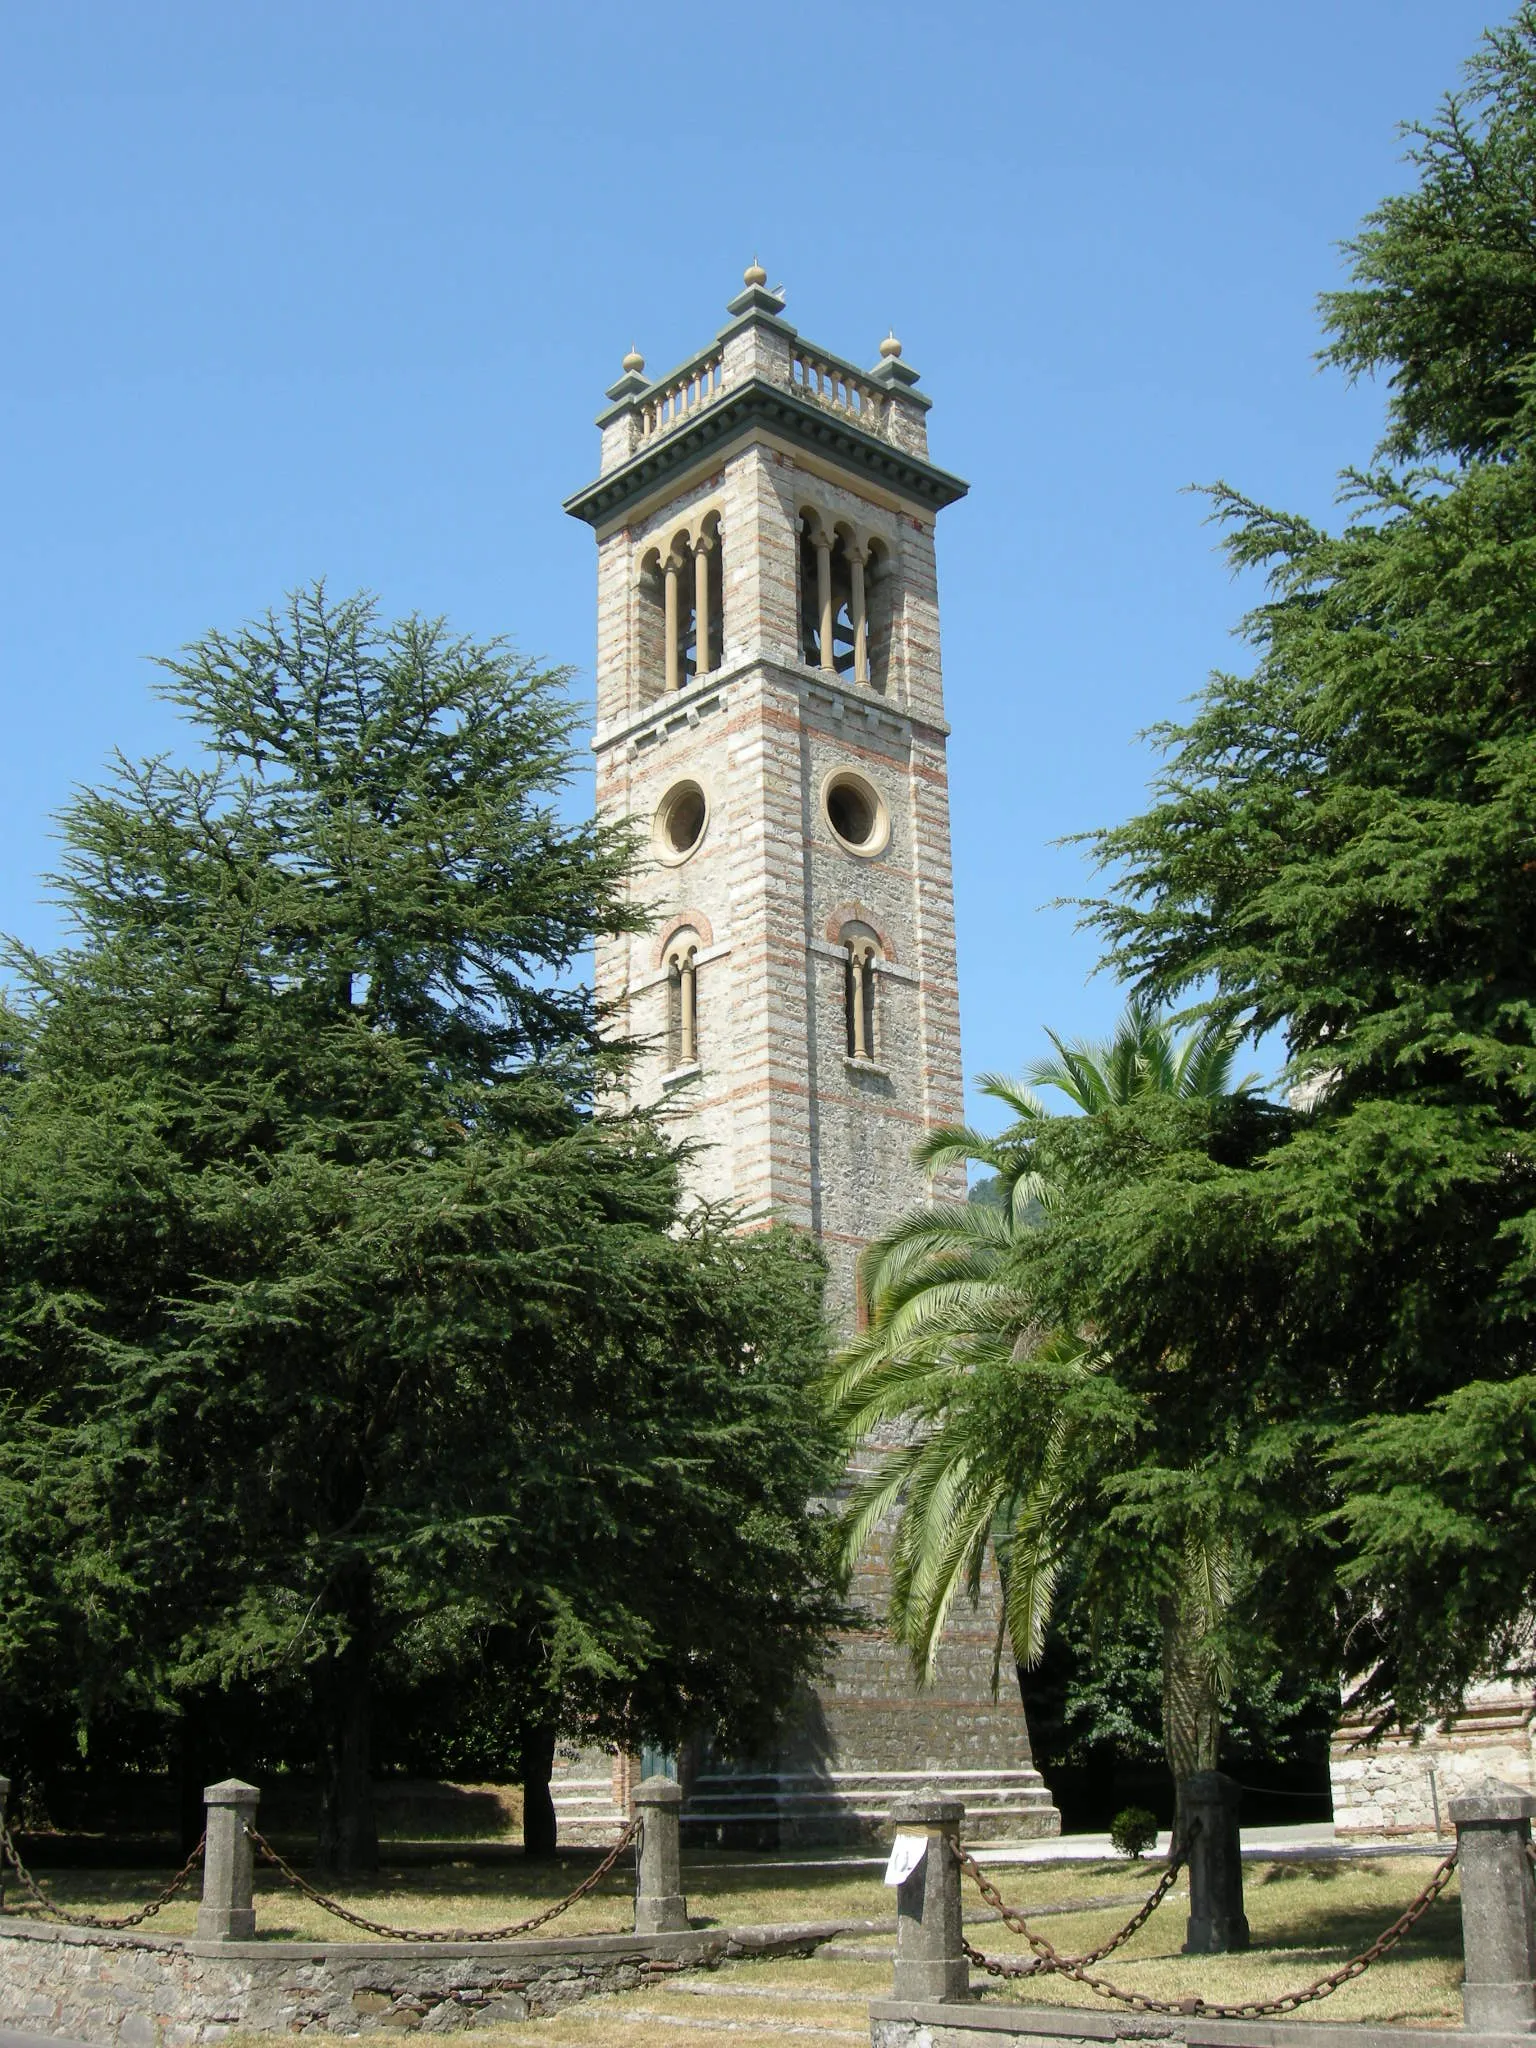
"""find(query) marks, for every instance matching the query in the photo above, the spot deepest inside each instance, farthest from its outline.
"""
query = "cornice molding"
(761, 403)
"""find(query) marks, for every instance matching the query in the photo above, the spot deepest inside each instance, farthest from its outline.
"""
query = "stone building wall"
(1402, 1784)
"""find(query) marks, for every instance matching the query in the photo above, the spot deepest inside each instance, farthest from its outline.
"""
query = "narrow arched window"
(705, 619)
(682, 608)
(683, 990)
(860, 1019)
(834, 617)
(650, 623)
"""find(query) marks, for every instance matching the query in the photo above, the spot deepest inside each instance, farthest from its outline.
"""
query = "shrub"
(1133, 1830)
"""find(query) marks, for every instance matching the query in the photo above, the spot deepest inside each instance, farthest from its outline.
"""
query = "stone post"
(660, 1907)
(1217, 1922)
(229, 1863)
(930, 1963)
(5, 1800)
(1493, 1832)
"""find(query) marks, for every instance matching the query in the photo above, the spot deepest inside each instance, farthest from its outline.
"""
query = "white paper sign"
(907, 1852)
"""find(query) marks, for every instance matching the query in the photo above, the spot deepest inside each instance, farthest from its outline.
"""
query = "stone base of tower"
(850, 1809)
(868, 1735)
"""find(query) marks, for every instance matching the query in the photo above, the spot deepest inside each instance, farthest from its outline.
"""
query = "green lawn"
(1306, 1918)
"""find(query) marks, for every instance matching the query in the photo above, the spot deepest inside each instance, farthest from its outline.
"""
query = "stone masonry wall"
(143, 1992)
(1402, 1783)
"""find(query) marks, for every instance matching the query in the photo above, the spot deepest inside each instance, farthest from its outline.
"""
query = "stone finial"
(891, 373)
(754, 296)
(632, 382)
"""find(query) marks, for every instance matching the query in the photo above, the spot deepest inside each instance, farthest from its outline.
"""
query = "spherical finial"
(890, 346)
(754, 273)
(634, 361)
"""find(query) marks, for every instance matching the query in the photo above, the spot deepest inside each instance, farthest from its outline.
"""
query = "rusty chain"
(1048, 1960)
(1051, 1961)
(50, 1909)
(334, 1906)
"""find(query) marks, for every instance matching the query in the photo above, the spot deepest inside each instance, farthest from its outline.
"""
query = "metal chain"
(1049, 1960)
(1252, 2009)
(379, 1927)
(50, 1909)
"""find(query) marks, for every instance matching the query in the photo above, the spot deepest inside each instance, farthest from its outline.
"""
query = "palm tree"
(992, 1437)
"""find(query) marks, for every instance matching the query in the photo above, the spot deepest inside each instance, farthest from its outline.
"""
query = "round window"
(856, 812)
(680, 820)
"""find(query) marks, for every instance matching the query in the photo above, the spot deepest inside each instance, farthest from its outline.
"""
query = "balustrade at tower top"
(758, 370)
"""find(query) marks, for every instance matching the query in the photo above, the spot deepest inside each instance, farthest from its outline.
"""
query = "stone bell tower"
(770, 713)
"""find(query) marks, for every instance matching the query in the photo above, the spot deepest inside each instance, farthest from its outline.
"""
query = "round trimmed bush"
(1133, 1830)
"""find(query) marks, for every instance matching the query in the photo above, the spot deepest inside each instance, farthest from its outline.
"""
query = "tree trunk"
(348, 1838)
(1191, 1705)
(538, 1805)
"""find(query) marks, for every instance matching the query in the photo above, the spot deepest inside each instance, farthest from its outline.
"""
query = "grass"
(1306, 1919)
(724, 1890)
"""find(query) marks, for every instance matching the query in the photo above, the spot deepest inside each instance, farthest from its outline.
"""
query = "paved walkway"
(1308, 1843)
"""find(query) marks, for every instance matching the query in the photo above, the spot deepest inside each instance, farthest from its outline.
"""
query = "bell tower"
(770, 714)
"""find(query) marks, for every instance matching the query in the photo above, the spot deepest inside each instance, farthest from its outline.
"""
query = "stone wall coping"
(1072, 2023)
(697, 1944)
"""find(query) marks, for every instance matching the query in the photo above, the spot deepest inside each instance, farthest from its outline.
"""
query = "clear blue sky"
(335, 289)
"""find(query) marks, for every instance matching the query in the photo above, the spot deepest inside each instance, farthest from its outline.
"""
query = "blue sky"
(335, 289)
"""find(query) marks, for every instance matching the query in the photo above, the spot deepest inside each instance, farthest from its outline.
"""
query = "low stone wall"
(893, 2025)
(134, 1991)
(1403, 1783)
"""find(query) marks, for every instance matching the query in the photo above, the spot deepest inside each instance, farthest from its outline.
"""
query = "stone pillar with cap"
(702, 549)
(229, 1862)
(1498, 1937)
(672, 568)
(930, 1963)
(660, 1907)
(858, 608)
(826, 619)
(1209, 1802)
